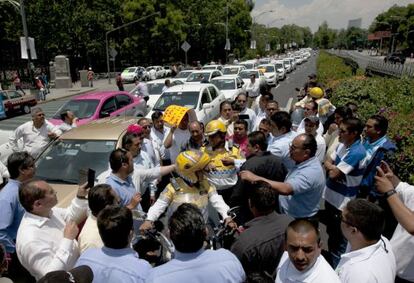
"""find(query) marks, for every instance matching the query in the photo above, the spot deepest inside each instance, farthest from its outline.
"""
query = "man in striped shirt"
(345, 168)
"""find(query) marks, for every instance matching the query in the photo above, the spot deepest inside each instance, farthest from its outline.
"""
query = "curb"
(68, 95)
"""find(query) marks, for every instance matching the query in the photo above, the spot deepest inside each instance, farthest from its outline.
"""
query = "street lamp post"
(254, 20)
(118, 28)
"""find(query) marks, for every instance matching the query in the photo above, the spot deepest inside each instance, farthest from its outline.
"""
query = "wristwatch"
(389, 193)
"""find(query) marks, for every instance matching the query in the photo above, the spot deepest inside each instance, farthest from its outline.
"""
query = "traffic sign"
(185, 46)
(113, 53)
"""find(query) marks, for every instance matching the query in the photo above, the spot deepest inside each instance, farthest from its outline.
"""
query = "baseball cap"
(134, 129)
(80, 274)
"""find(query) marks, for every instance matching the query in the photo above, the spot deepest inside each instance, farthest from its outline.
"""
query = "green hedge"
(393, 98)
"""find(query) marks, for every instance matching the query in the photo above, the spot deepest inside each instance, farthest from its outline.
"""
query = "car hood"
(280, 70)
(65, 193)
(268, 75)
(153, 98)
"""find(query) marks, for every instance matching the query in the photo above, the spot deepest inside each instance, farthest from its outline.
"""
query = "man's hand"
(147, 225)
(52, 135)
(135, 200)
(385, 179)
(228, 222)
(249, 176)
(83, 191)
(227, 161)
(71, 230)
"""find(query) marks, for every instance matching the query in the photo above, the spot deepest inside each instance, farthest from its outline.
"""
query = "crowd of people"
(289, 172)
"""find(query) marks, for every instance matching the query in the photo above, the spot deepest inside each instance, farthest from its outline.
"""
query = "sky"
(313, 12)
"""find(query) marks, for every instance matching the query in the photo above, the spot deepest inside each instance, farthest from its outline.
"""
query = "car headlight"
(272, 76)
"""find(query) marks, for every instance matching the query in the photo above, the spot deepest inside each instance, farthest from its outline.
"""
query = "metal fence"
(376, 67)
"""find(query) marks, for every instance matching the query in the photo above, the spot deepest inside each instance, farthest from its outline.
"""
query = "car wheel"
(26, 109)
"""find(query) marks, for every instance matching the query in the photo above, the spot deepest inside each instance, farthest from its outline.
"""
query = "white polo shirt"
(375, 263)
(402, 242)
(320, 272)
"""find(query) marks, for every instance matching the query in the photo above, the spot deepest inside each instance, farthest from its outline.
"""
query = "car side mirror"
(239, 85)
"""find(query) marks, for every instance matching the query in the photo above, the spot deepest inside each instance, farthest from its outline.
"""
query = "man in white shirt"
(167, 85)
(36, 134)
(99, 197)
(311, 125)
(69, 121)
(261, 109)
(302, 261)
(177, 138)
(158, 134)
(252, 89)
(147, 145)
(400, 197)
(369, 257)
(241, 102)
(46, 239)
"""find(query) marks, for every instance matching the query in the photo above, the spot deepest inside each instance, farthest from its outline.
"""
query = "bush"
(393, 98)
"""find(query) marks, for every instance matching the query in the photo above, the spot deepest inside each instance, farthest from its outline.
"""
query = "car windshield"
(224, 84)
(209, 68)
(187, 99)
(279, 65)
(198, 77)
(82, 108)
(248, 65)
(286, 62)
(230, 71)
(183, 75)
(130, 70)
(267, 69)
(246, 75)
(155, 88)
(61, 161)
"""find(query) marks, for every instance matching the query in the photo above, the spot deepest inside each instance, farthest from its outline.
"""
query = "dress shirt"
(260, 247)
(151, 151)
(259, 117)
(204, 266)
(280, 147)
(252, 117)
(11, 212)
(124, 188)
(158, 138)
(308, 181)
(143, 162)
(115, 265)
(64, 127)
(402, 242)
(375, 263)
(89, 236)
(253, 89)
(320, 272)
(40, 245)
(321, 148)
(34, 140)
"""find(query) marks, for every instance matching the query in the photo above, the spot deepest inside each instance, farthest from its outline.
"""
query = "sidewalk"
(98, 85)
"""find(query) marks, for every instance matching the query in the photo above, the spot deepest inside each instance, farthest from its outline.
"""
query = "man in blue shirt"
(21, 168)
(121, 162)
(192, 263)
(344, 168)
(116, 261)
(301, 191)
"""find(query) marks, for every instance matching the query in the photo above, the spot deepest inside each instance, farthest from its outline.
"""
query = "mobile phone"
(87, 175)
(244, 117)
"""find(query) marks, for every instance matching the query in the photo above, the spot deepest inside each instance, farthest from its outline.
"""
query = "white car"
(230, 86)
(212, 67)
(159, 72)
(205, 99)
(292, 62)
(183, 75)
(203, 76)
(245, 76)
(233, 70)
(298, 59)
(132, 74)
(288, 65)
(280, 68)
(155, 89)
(270, 73)
(249, 64)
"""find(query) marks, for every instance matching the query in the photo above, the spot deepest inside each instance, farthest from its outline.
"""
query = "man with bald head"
(46, 239)
(302, 260)
(196, 140)
(36, 134)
